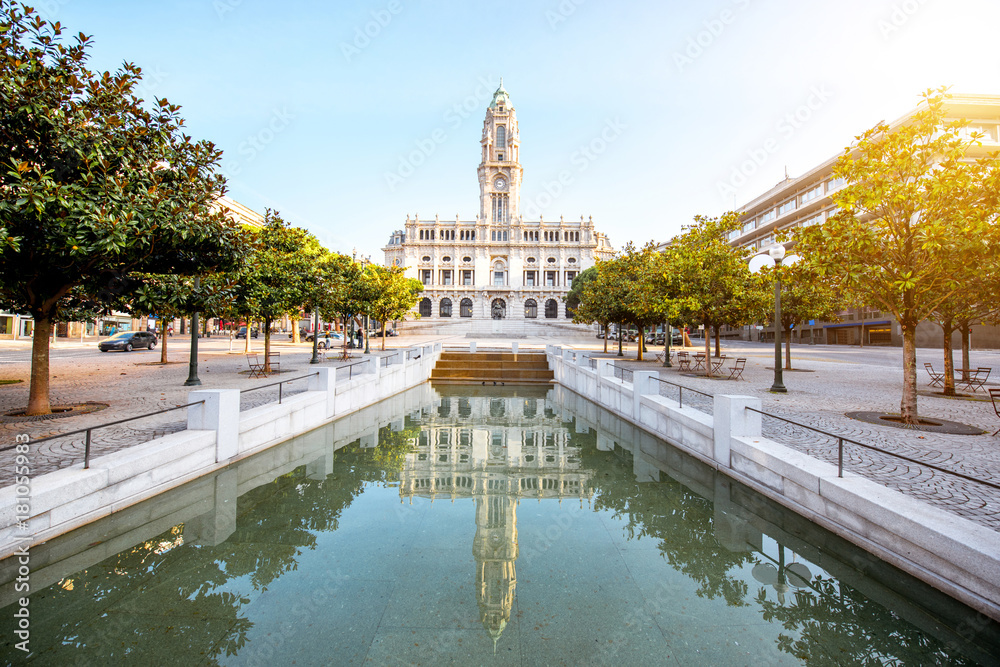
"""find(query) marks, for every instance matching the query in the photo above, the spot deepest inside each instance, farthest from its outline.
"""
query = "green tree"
(390, 294)
(94, 183)
(279, 276)
(588, 307)
(714, 284)
(915, 218)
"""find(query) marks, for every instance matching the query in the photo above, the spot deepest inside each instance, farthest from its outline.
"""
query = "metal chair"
(683, 361)
(995, 397)
(736, 372)
(699, 361)
(978, 379)
(717, 364)
(937, 379)
(256, 366)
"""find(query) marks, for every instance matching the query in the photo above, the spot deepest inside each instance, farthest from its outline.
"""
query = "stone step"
(490, 367)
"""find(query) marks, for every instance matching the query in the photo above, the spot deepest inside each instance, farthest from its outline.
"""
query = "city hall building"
(498, 273)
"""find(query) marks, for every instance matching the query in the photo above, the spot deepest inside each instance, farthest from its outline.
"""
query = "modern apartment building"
(806, 200)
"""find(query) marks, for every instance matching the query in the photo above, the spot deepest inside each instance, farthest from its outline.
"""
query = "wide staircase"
(492, 368)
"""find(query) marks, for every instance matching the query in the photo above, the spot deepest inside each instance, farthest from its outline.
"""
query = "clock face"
(500, 184)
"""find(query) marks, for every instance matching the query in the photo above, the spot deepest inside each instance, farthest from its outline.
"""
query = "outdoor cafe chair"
(717, 364)
(995, 397)
(977, 379)
(256, 366)
(937, 379)
(683, 361)
(736, 372)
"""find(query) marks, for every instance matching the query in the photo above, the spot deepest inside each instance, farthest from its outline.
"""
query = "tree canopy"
(95, 183)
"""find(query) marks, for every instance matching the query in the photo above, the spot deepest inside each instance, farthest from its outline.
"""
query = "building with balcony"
(498, 273)
(807, 200)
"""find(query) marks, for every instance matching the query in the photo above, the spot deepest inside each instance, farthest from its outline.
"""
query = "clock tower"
(500, 169)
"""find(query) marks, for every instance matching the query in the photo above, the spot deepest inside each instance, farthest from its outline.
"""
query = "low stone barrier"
(218, 434)
(955, 555)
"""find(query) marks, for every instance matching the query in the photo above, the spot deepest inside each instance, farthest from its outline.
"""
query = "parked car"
(242, 333)
(326, 339)
(128, 341)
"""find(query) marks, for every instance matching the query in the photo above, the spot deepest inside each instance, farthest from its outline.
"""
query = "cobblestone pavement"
(830, 381)
(132, 384)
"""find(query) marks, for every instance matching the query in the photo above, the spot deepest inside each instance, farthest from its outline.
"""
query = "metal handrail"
(680, 399)
(86, 451)
(840, 451)
(350, 373)
(620, 373)
(278, 384)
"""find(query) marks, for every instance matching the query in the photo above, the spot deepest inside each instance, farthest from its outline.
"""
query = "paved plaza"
(829, 381)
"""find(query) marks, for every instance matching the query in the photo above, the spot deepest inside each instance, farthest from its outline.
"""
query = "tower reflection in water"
(496, 450)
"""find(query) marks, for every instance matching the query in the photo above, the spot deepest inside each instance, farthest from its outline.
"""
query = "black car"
(242, 333)
(128, 341)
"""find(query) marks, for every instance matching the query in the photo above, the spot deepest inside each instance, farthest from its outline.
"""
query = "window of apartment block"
(467, 277)
(446, 277)
(770, 215)
(812, 193)
(550, 278)
(425, 276)
(786, 206)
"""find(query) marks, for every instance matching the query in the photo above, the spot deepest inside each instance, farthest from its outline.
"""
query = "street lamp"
(775, 254)
(315, 357)
(782, 577)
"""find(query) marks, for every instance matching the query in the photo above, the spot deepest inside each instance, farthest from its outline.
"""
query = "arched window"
(465, 308)
(531, 308)
(425, 307)
(551, 309)
(445, 309)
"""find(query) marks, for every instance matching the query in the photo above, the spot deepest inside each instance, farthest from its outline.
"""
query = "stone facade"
(499, 268)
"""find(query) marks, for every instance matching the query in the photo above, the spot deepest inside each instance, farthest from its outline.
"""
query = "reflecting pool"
(457, 526)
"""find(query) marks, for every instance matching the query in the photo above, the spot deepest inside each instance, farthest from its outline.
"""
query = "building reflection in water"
(497, 451)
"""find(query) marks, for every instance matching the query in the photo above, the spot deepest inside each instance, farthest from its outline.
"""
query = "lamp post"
(193, 380)
(315, 357)
(775, 254)
(783, 577)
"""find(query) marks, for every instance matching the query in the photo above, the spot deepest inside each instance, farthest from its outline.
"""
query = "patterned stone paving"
(132, 385)
(840, 384)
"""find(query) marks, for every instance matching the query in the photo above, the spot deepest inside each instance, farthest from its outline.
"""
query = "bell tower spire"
(500, 169)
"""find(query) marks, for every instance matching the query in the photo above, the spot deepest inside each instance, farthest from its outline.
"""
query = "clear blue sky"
(315, 103)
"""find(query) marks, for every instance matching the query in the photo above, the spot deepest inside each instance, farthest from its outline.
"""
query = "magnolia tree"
(714, 284)
(917, 219)
(94, 184)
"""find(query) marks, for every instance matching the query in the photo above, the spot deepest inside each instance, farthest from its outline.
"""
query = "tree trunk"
(908, 403)
(296, 338)
(948, 327)
(38, 394)
(183, 327)
(708, 352)
(267, 344)
(383, 335)
(788, 348)
(718, 348)
(163, 340)
(686, 339)
(965, 327)
(641, 343)
(605, 339)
